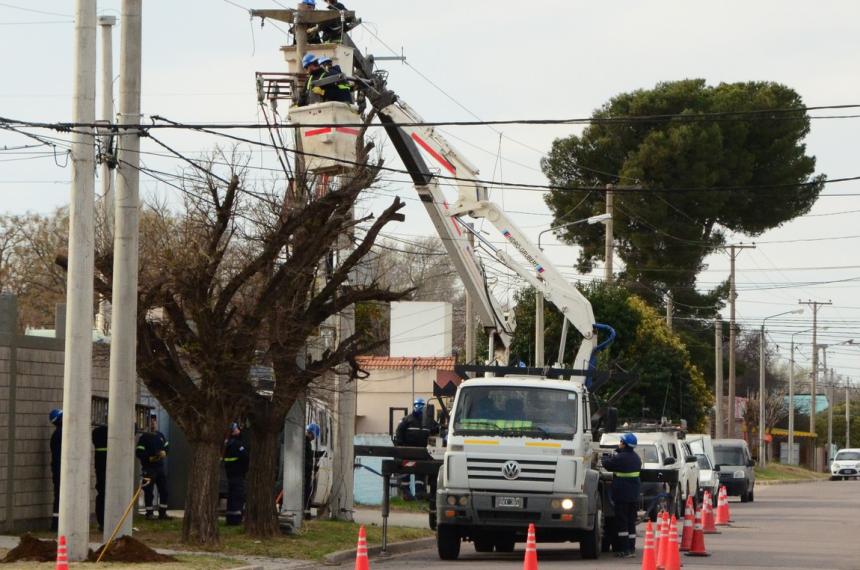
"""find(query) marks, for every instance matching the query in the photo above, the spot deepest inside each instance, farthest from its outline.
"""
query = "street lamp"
(762, 453)
(539, 324)
(599, 219)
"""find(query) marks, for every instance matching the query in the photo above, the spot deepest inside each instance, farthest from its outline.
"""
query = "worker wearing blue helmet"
(625, 464)
(56, 418)
(315, 72)
(413, 430)
(312, 443)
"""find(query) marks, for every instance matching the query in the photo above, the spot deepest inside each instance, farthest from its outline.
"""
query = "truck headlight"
(739, 475)
(567, 504)
(451, 500)
(463, 501)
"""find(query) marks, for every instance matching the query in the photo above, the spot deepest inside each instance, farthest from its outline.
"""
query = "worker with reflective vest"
(625, 464)
(152, 448)
(315, 72)
(100, 445)
(341, 91)
(236, 466)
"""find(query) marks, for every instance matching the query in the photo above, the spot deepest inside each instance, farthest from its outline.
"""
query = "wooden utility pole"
(734, 251)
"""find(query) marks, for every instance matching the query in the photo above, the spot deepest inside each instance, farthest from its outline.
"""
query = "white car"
(846, 464)
(709, 480)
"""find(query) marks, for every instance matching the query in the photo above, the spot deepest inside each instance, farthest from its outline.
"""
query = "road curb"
(788, 482)
(404, 547)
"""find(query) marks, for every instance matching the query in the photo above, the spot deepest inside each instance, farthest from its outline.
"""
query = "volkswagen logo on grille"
(511, 470)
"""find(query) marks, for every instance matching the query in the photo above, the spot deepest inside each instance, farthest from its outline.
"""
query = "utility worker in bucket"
(236, 465)
(340, 91)
(315, 72)
(625, 464)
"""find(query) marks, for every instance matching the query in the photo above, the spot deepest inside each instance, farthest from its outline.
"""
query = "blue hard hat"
(55, 415)
(234, 426)
(418, 405)
(308, 59)
(314, 429)
(310, 3)
(324, 59)
(629, 439)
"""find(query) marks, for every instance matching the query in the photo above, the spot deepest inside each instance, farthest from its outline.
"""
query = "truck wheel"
(751, 495)
(505, 543)
(592, 541)
(483, 544)
(447, 542)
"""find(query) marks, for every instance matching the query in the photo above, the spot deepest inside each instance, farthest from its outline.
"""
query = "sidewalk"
(373, 516)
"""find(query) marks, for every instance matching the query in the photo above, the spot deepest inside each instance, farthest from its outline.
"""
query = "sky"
(493, 61)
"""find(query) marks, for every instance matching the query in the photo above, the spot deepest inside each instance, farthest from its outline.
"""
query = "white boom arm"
(473, 201)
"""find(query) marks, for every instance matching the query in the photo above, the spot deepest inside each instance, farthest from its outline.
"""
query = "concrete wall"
(31, 384)
(388, 388)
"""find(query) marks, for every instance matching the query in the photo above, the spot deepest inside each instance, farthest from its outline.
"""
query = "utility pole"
(762, 453)
(539, 330)
(106, 24)
(830, 397)
(734, 251)
(847, 412)
(718, 381)
(610, 238)
(670, 308)
(814, 391)
(123, 354)
(470, 316)
(74, 513)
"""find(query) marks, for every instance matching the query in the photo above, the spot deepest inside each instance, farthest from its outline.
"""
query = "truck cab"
(519, 452)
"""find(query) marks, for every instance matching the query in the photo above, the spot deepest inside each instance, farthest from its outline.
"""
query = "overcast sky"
(496, 60)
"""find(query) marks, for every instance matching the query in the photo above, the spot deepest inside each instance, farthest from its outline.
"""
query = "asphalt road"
(804, 526)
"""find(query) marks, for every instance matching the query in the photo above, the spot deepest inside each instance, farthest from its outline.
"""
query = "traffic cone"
(697, 548)
(649, 553)
(722, 508)
(673, 558)
(530, 562)
(708, 515)
(725, 493)
(663, 549)
(361, 561)
(687, 537)
(62, 554)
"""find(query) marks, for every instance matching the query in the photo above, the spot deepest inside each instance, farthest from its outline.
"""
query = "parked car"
(736, 468)
(709, 479)
(845, 464)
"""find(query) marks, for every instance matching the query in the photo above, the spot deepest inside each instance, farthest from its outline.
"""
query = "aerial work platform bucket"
(328, 149)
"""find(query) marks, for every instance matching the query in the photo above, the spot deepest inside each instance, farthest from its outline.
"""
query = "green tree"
(839, 423)
(663, 237)
(669, 385)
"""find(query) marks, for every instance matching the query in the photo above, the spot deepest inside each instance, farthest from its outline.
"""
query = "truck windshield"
(516, 411)
(729, 456)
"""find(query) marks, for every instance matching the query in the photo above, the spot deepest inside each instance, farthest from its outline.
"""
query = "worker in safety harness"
(625, 464)
(340, 91)
(315, 72)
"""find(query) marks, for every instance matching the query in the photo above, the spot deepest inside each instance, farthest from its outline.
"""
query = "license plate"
(509, 502)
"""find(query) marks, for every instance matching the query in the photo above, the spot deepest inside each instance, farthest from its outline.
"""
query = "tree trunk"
(261, 519)
(200, 526)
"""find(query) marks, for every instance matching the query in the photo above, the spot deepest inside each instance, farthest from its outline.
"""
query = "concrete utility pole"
(830, 397)
(670, 309)
(106, 24)
(539, 330)
(790, 454)
(814, 391)
(341, 502)
(718, 381)
(610, 238)
(847, 413)
(123, 354)
(74, 513)
(734, 251)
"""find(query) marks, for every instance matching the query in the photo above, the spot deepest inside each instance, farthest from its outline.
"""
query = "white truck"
(519, 448)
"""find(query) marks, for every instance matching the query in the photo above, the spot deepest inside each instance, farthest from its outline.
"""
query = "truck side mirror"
(751, 463)
(428, 416)
(692, 459)
(716, 467)
(611, 420)
(669, 461)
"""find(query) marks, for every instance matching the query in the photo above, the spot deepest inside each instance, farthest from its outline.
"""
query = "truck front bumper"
(481, 511)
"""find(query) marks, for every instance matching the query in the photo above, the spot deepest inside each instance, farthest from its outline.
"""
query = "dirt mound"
(31, 549)
(128, 549)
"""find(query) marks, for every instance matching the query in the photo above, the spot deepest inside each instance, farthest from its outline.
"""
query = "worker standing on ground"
(56, 418)
(312, 436)
(625, 464)
(236, 465)
(100, 440)
(411, 431)
(152, 448)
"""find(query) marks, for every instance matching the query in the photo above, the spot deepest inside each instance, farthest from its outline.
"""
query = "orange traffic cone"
(687, 537)
(663, 548)
(697, 548)
(722, 508)
(673, 557)
(708, 515)
(530, 562)
(62, 554)
(361, 561)
(725, 494)
(649, 553)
